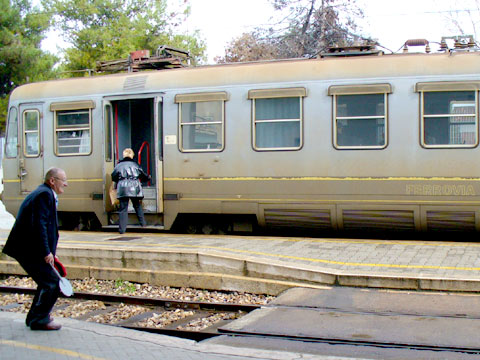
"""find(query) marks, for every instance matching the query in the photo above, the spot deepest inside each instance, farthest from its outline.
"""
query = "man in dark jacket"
(33, 243)
(127, 175)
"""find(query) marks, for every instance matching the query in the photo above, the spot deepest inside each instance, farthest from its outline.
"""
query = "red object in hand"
(60, 268)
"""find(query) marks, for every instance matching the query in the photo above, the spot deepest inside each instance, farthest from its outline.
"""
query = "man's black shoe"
(50, 326)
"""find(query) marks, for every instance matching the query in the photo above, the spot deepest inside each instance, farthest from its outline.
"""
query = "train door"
(108, 163)
(159, 150)
(135, 122)
(30, 156)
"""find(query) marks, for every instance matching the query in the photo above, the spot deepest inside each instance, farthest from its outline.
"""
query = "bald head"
(53, 172)
(56, 179)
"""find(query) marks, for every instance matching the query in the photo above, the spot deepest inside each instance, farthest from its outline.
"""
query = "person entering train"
(127, 176)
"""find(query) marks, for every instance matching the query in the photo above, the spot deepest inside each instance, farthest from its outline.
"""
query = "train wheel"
(191, 228)
(208, 229)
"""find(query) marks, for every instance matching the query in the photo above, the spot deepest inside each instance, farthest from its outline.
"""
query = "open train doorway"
(136, 124)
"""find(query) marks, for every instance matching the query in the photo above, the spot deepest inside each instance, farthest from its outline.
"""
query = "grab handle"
(148, 157)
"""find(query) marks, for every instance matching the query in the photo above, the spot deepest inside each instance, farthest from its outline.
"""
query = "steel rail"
(389, 345)
(196, 335)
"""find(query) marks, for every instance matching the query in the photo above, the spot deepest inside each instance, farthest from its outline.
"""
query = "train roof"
(356, 69)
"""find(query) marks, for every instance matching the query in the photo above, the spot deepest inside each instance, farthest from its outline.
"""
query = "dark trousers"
(47, 292)
(124, 213)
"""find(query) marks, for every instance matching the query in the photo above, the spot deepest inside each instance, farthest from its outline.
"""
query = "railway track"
(147, 314)
(186, 319)
(358, 344)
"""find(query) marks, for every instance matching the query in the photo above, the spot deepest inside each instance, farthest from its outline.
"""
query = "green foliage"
(124, 287)
(102, 30)
(22, 28)
(3, 112)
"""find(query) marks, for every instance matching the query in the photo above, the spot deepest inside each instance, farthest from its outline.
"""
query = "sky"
(391, 22)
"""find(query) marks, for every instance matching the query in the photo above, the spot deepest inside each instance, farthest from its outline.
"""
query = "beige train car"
(364, 142)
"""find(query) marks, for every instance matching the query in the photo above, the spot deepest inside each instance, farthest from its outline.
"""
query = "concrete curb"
(218, 271)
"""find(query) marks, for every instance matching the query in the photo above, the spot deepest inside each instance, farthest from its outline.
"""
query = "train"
(363, 141)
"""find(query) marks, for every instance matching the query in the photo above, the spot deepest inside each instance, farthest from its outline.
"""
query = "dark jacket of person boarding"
(33, 243)
(128, 175)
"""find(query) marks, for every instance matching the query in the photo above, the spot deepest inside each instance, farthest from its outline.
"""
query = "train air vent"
(451, 220)
(298, 218)
(378, 220)
(135, 83)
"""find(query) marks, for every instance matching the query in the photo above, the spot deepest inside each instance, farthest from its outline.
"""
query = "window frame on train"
(205, 101)
(11, 141)
(456, 92)
(31, 126)
(73, 108)
(361, 95)
(273, 98)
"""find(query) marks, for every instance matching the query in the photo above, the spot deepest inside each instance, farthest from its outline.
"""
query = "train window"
(360, 116)
(449, 114)
(12, 134)
(201, 121)
(73, 124)
(277, 118)
(72, 130)
(449, 118)
(31, 132)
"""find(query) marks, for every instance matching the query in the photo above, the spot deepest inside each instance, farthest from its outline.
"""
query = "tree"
(316, 25)
(306, 28)
(465, 21)
(249, 47)
(102, 30)
(22, 28)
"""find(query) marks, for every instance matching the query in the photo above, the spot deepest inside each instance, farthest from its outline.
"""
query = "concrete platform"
(79, 339)
(266, 264)
(244, 263)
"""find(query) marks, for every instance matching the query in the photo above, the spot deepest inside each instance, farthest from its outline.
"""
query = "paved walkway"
(454, 262)
(84, 340)
(390, 257)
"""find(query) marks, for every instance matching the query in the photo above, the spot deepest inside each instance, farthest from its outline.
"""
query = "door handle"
(21, 166)
(23, 173)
